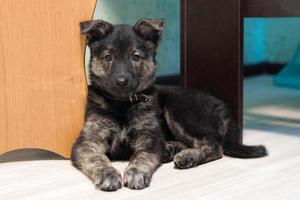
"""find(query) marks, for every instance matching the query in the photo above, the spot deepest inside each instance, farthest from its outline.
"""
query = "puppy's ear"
(150, 29)
(95, 30)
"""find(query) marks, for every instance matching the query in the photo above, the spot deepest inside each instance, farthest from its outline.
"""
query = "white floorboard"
(272, 117)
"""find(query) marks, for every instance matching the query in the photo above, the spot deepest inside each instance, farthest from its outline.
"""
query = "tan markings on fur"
(97, 67)
(200, 143)
(178, 131)
(92, 158)
(148, 72)
(149, 66)
(105, 125)
(100, 101)
(224, 128)
(202, 150)
(201, 155)
(144, 161)
(123, 134)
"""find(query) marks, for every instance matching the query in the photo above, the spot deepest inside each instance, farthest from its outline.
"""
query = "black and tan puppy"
(128, 117)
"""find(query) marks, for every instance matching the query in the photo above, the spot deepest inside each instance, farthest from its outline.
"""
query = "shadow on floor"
(268, 107)
(275, 124)
(29, 155)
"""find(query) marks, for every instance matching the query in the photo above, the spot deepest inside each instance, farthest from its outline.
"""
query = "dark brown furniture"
(212, 44)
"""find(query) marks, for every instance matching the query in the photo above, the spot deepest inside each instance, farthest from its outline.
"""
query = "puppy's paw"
(172, 148)
(108, 179)
(136, 179)
(184, 160)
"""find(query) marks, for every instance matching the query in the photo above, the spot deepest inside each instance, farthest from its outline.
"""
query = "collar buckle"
(133, 98)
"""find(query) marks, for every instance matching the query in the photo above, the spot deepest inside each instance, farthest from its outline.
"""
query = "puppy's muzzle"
(121, 81)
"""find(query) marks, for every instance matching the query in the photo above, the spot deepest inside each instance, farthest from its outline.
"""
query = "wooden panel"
(211, 50)
(268, 8)
(42, 76)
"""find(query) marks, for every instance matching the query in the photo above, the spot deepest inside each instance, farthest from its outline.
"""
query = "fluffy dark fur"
(187, 126)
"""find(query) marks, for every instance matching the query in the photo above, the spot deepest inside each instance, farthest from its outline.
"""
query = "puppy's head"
(122, 57)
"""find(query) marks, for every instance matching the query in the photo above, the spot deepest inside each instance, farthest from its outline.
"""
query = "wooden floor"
(272, 117)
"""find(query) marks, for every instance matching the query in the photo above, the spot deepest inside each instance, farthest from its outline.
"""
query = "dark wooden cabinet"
(211, 50)
(270, 8)
(212, 44)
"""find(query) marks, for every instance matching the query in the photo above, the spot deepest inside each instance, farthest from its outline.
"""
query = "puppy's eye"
(136, 56)
(108, 58)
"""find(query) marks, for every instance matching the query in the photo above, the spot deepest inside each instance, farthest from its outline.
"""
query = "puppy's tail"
(243, 151)
(232, 148)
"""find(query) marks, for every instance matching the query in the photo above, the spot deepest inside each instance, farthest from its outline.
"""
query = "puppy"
(128, 117)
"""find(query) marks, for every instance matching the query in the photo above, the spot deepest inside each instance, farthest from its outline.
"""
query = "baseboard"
(262, 68)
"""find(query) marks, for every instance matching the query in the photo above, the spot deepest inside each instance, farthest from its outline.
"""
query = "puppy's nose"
(121, 81)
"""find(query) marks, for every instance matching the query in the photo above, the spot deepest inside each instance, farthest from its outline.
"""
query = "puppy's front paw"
(136, 179)
(108, 179)
(184, 160)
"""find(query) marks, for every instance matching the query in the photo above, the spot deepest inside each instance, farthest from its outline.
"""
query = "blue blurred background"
(272, 40)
